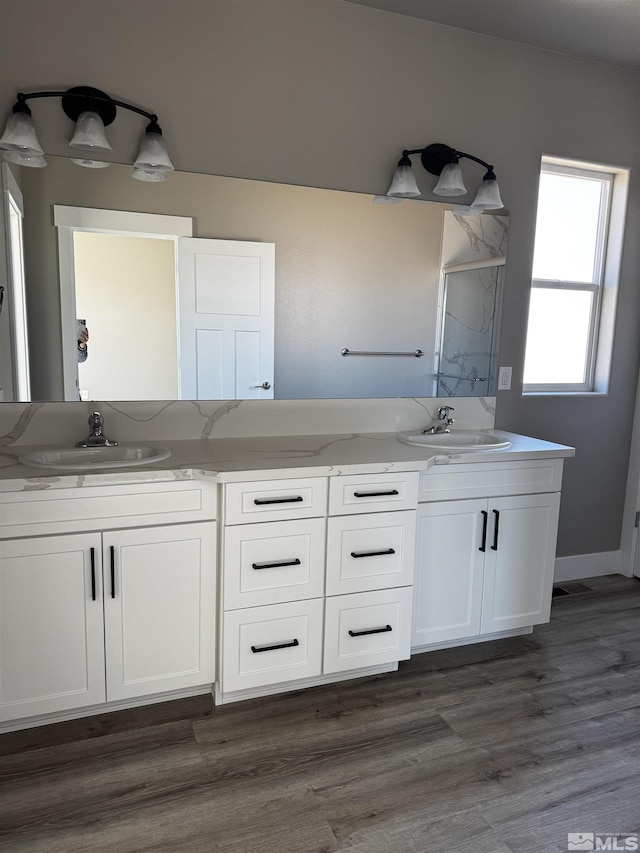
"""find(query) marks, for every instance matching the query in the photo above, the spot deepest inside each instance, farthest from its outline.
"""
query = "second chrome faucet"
(96, 437)
(442, 422)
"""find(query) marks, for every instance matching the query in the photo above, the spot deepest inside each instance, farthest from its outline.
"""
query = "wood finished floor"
(501, 747)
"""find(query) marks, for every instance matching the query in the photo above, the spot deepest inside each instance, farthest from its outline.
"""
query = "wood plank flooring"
(500, 747)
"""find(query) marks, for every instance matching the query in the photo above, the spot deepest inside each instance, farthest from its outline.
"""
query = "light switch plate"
(504, 379)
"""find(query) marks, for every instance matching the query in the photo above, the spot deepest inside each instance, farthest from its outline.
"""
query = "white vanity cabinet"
(51, 625)
(484, 565)
(292, 615)
(111, 614)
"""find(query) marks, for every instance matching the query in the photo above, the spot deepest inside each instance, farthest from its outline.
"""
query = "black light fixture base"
(435, 157)
(79, 99)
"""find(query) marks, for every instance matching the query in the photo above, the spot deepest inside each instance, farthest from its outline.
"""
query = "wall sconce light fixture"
(92, 111)
(443, 161)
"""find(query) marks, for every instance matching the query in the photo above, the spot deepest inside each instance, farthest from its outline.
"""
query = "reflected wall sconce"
(92, 110)
(443, 161)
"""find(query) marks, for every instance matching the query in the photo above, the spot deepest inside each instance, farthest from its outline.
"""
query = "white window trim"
(605, 280)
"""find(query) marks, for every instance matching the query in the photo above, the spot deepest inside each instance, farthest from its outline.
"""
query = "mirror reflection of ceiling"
(349, 274)
(600, 30)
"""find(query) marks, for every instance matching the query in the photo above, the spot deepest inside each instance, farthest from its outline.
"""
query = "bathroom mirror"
(348, 274)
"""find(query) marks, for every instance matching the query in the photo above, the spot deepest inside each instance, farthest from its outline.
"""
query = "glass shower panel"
(469, 341)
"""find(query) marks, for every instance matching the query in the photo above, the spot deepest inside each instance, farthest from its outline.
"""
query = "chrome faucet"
(96, 437)
(442, 422)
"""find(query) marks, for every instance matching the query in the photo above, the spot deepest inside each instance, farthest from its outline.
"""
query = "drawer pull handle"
(256, 566)
(371, 631)
(485, 518)
(93, 574)
(390, 493)
(357, 554)
(263, 501)
(113, 571)
(256, 649)
(494, 547)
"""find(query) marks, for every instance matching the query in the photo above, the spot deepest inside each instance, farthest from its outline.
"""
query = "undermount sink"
(459, 441)
(91, 458)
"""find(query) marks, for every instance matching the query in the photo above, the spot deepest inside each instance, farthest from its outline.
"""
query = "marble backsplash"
(66, 423)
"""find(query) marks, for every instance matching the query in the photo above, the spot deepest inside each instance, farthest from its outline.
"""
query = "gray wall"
(328, 93)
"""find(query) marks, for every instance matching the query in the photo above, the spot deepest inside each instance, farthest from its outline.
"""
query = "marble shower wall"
(65, 423)
(470, 321)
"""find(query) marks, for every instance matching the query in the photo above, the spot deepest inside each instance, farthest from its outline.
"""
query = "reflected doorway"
(168, 316)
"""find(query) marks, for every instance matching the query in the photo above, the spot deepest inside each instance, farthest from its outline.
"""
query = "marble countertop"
(227, 460)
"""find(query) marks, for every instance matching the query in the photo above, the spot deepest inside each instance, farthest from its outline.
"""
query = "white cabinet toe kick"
(111, 596)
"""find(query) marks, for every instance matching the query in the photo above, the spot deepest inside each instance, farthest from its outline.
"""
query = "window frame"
(595, 287)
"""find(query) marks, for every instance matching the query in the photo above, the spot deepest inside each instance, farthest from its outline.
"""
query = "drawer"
(269, 645)
(367, 628)
(273, 500)
(367, 552)
(39, 513)
(273, 562)
(490, 479)
(372, 493)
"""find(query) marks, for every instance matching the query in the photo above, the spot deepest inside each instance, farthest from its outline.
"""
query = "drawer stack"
(305, 594)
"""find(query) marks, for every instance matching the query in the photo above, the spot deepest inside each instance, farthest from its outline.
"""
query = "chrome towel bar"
(416, 353)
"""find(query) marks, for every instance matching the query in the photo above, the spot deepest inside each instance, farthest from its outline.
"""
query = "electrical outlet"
(504, 379)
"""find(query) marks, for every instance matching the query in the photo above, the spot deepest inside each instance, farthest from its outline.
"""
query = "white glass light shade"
(151, 175)
(20, 135)
(404, 183)
(488, 196)
(90, 133)
(35, 161)
(450, 182)
(153, 154)
(90, 164)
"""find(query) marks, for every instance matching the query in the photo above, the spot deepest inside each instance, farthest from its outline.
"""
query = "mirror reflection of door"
(14, 344)
(169, 317)
(470, 328)
(226, 308)
(125, 289)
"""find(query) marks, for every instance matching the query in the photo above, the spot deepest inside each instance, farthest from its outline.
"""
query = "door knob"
(265, 386)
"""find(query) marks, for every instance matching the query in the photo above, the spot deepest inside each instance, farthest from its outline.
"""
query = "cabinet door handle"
(92, 554)
(494, 547)
(371, 631)
(376, 494)
(257, 649)
(295, 562)
(263, 501)
(485, 520)
(112, 551)
(357, 554)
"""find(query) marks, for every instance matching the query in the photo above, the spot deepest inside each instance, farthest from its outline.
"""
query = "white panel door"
(226, 294)
(51, 625)
(159, 606)
(519, 563)
(450, 552)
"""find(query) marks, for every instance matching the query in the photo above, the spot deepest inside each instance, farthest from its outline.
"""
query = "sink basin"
(457, 442)
(91, 458)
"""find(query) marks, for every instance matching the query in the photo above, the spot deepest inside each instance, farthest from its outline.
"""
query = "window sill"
(565, 393)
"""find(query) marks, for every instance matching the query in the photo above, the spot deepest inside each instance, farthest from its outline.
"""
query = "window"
(569, 269)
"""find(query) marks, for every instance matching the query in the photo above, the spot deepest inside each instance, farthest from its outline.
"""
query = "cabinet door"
(519, 561)
(159, 608)
(449, 570)
(51, 626)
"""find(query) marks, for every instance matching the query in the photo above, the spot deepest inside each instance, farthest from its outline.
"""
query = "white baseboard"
(587, 566)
